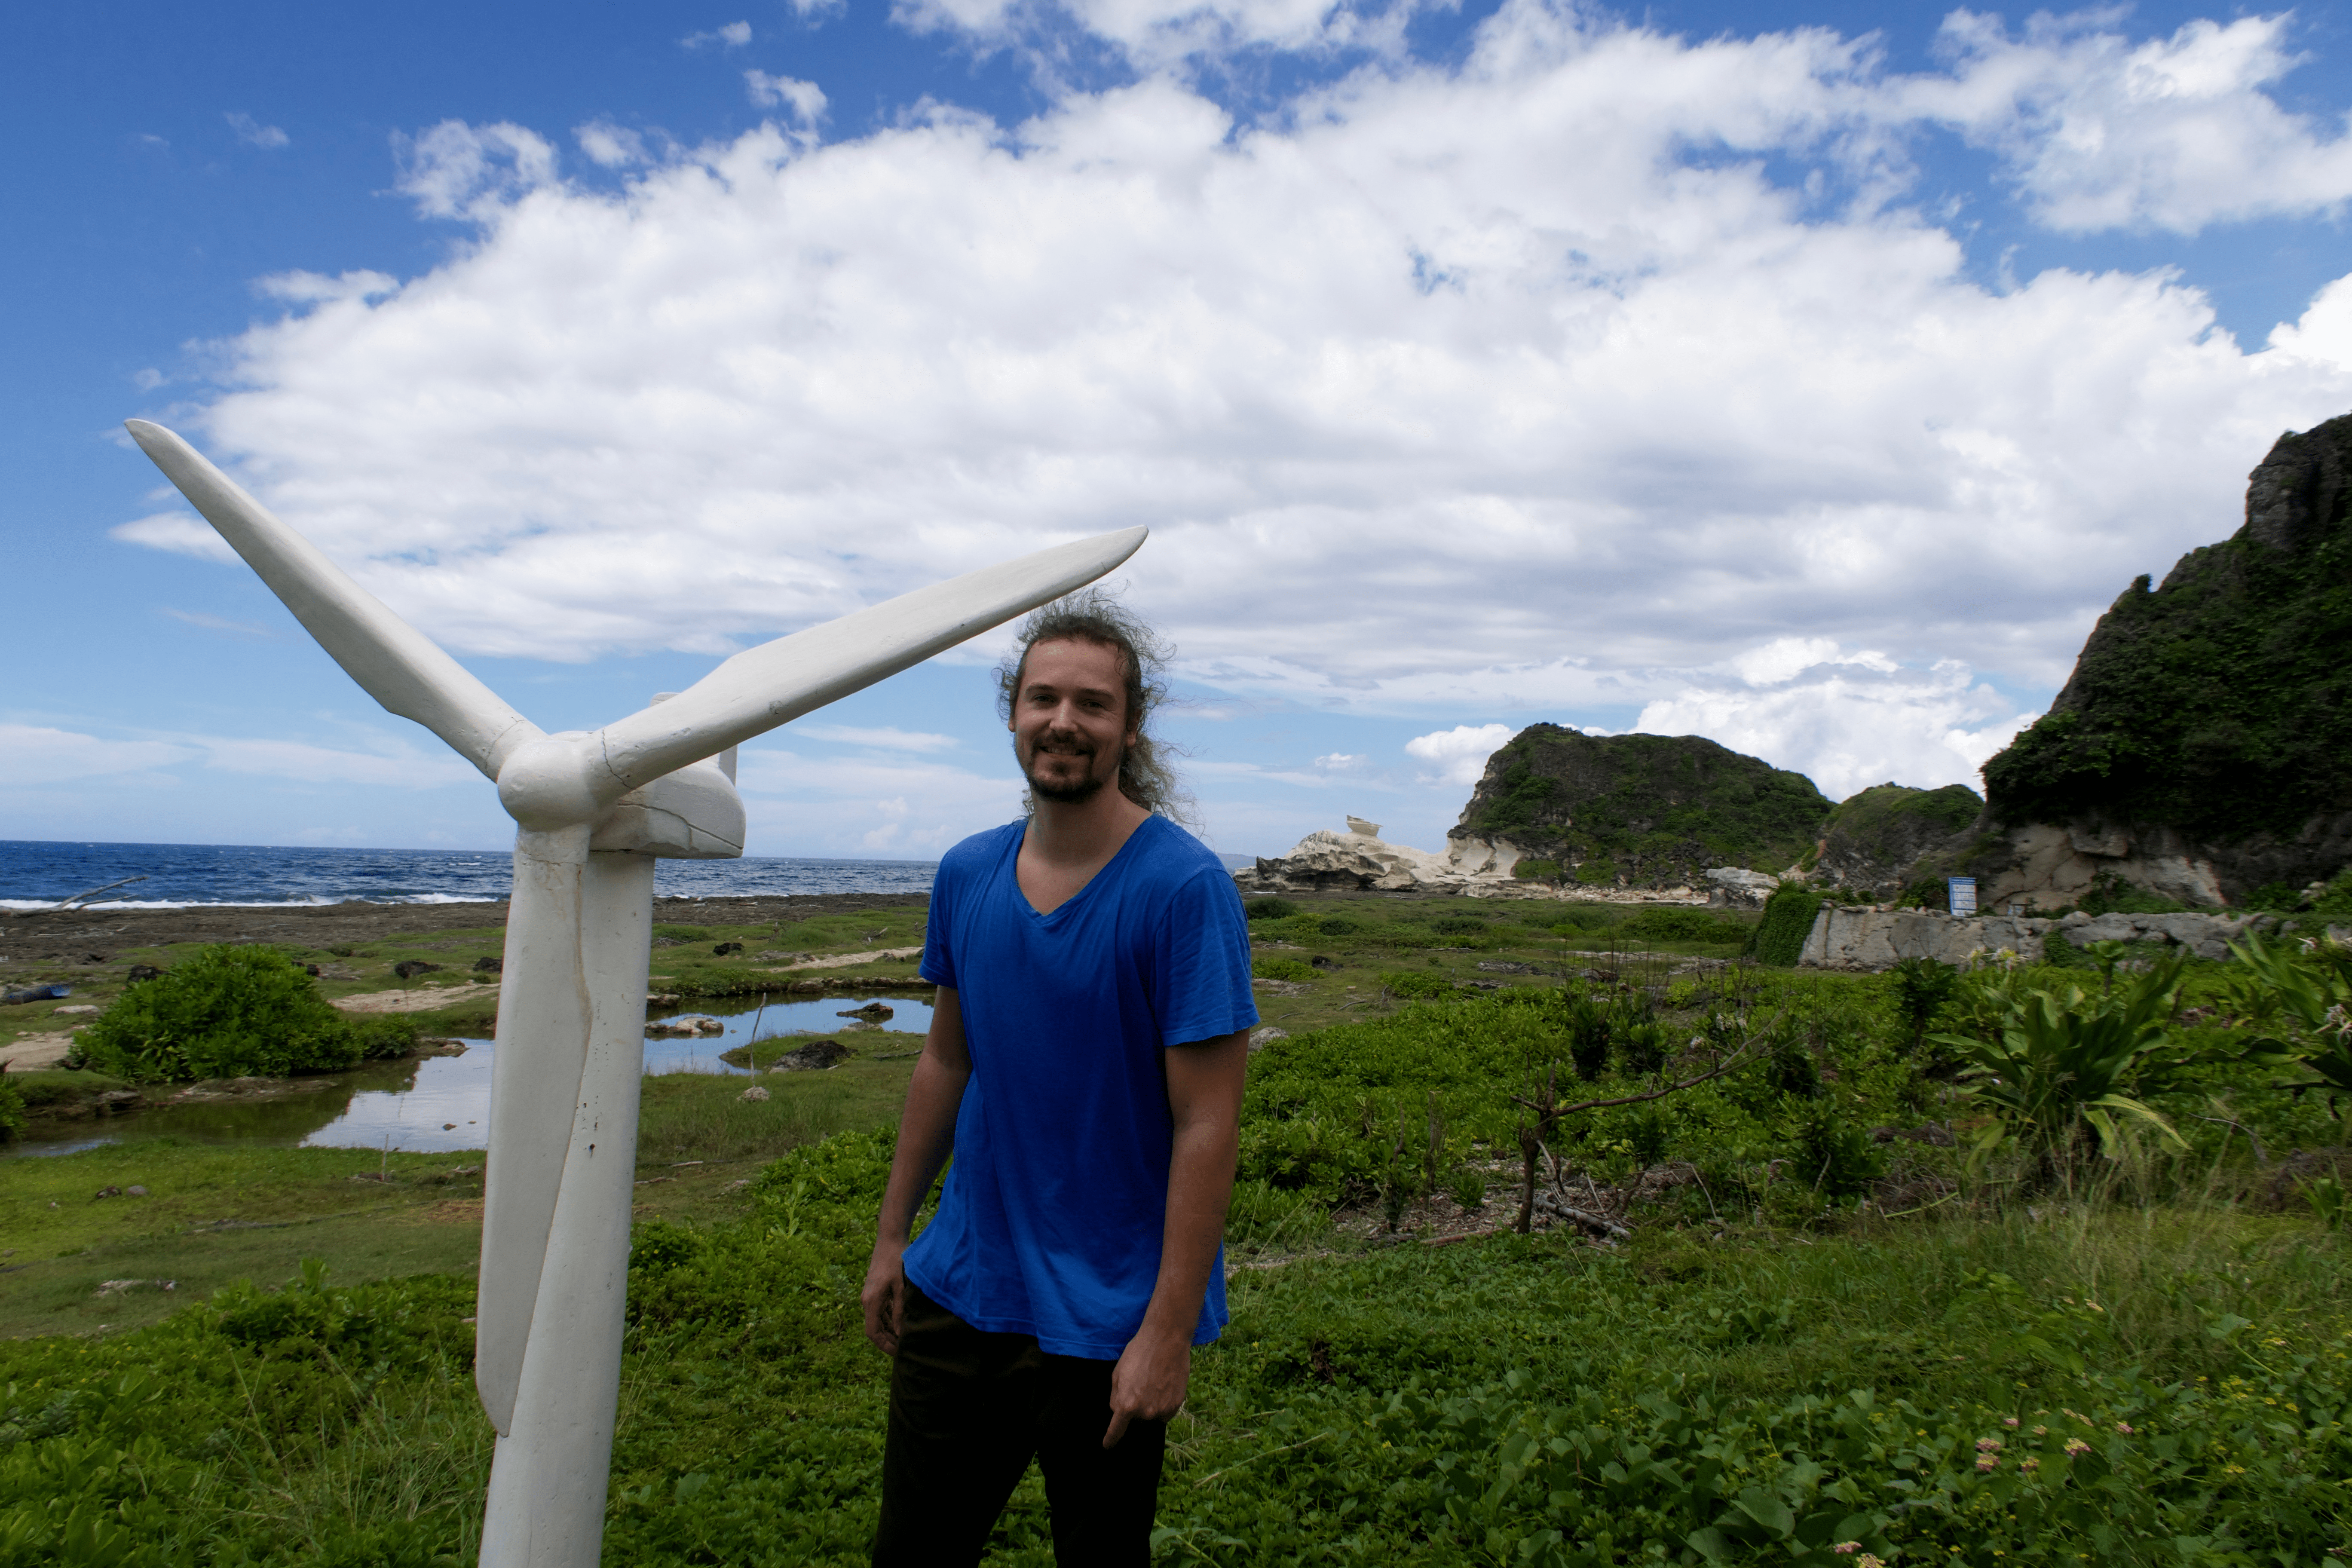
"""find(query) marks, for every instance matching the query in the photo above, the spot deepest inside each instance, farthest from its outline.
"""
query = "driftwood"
(1550, 1113)
(1598, 1225)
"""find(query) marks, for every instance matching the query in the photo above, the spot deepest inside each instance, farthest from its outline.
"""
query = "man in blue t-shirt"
(1084, 1068)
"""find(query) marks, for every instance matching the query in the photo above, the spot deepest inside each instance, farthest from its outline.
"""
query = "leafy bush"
(1532, 871)
(2111, 895)
(2063, 1062)
(1416, 982)
(1336, 925)
(1588, 1038)
(1459, 925)
(1265, 908)
(1833, 1156)
(227, 1012)
(1779, 938)
(1920, 986)
(1579, 918)
(12, 1109)
(1280, 969)
(1670, 924)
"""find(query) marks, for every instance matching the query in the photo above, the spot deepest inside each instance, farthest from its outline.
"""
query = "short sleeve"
(1204, 966)
(938, 964)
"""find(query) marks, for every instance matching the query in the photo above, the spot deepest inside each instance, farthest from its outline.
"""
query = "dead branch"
(67, 904)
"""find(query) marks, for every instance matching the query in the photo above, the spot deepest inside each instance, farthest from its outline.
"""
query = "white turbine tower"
(593, 812)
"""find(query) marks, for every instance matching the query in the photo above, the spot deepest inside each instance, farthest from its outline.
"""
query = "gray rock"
(1265, 1035)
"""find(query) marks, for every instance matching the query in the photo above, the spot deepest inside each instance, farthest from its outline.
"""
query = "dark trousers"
(969, 1411)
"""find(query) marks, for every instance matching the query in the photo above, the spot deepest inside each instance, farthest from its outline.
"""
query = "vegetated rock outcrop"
(1595, 812)
(1874, 837)
(2202, 748)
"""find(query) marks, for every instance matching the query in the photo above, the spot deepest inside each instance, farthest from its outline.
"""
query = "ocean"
(35, 873)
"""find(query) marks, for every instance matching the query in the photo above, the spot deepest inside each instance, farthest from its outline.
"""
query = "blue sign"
(1962, 893)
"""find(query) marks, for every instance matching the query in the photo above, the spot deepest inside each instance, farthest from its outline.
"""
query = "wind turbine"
(593, 812)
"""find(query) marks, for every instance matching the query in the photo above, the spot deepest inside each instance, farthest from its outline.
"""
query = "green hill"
(1643, 810)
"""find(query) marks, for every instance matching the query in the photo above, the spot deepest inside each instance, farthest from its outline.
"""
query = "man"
(1084, 1068)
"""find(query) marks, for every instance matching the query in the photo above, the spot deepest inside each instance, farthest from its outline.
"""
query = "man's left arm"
(1204, 1097)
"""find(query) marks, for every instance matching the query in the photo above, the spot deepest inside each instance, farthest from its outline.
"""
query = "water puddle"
(440, 1104)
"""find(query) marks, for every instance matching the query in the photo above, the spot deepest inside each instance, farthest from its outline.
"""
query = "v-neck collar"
(1105, 870)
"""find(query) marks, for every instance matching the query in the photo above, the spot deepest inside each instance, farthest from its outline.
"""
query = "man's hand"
(1149, 1382)
(884, 1297)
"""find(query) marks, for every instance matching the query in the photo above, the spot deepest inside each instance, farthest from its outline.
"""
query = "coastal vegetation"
(1849, 1297)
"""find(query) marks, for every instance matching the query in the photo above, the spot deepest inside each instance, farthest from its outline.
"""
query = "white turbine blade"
(776, 682)
(392, 661)
(545, 1015)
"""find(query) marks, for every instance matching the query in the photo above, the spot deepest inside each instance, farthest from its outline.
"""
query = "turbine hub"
(554, 781)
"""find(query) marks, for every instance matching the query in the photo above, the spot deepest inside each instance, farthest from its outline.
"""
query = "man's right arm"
(926, 1138)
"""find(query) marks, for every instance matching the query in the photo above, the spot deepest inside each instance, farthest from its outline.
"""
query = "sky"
(1807, 376)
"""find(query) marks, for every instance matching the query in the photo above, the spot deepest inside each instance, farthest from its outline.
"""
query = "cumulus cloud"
(253, 133)
(1151, 35)
(1847, 721)
(733, 36)
(804, 100)
(2099, 132)
(611, 146)
(1520, 384)
(457, 170)
(1459, 755)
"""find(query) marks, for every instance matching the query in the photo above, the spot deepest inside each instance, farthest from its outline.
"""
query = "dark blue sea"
(34, 873)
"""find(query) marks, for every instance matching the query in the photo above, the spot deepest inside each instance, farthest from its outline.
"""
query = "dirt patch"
(844, 960)
(451, 1211)
(37, 935)
(422, 999)
(35, 1051)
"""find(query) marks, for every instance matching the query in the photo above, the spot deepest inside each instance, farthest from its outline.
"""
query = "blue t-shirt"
(1054, 1208)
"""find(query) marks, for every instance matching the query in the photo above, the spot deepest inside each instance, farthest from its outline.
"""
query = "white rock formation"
(1859, 937)
(1359, 860)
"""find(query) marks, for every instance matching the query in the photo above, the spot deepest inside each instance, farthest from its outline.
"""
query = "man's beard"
(1085, 787)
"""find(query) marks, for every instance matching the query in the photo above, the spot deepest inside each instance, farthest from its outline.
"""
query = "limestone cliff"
(2203, 747)
(1638, 811)
(1874, 837)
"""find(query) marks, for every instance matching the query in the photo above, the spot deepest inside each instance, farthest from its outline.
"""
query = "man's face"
(1069, 719)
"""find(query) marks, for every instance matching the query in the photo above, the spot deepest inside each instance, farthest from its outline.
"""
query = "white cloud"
(1152, 35)
(253, 133)
(1341, 761)
(2324, 334)
(1851, 723)
(36, 754)
(804, 100)
(814, 11)
(884, 739)
(457, 170)
(611, 146)
(1460, 753)
(177, 532)
(2100, 132)
(1511, 386)
(851, 805)
(149, 379)
(733, 36)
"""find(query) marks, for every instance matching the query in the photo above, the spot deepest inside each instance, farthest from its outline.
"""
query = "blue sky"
(1807, 376)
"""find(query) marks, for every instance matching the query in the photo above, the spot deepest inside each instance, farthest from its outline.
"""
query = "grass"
(1759, 1373)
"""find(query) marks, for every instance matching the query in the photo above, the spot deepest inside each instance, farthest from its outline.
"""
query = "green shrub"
(1409, 983)
(12, 1109)
(227, 1012)
(1670, 924)
(1337, 925)
(1459, 925)
(1265, 908)
(1535, 870)
(1834, 1157)
(1577, 919)
(1779, 938)
(1920, 987)
(1280, 969)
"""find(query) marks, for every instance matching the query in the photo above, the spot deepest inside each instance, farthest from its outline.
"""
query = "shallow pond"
(441, 1103)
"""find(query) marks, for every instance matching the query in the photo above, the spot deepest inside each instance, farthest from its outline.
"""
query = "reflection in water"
(433, 1104)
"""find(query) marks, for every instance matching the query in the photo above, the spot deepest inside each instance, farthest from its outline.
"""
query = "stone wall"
(1853, 936)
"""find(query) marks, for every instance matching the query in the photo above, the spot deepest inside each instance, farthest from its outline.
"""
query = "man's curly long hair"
(1093, 616)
